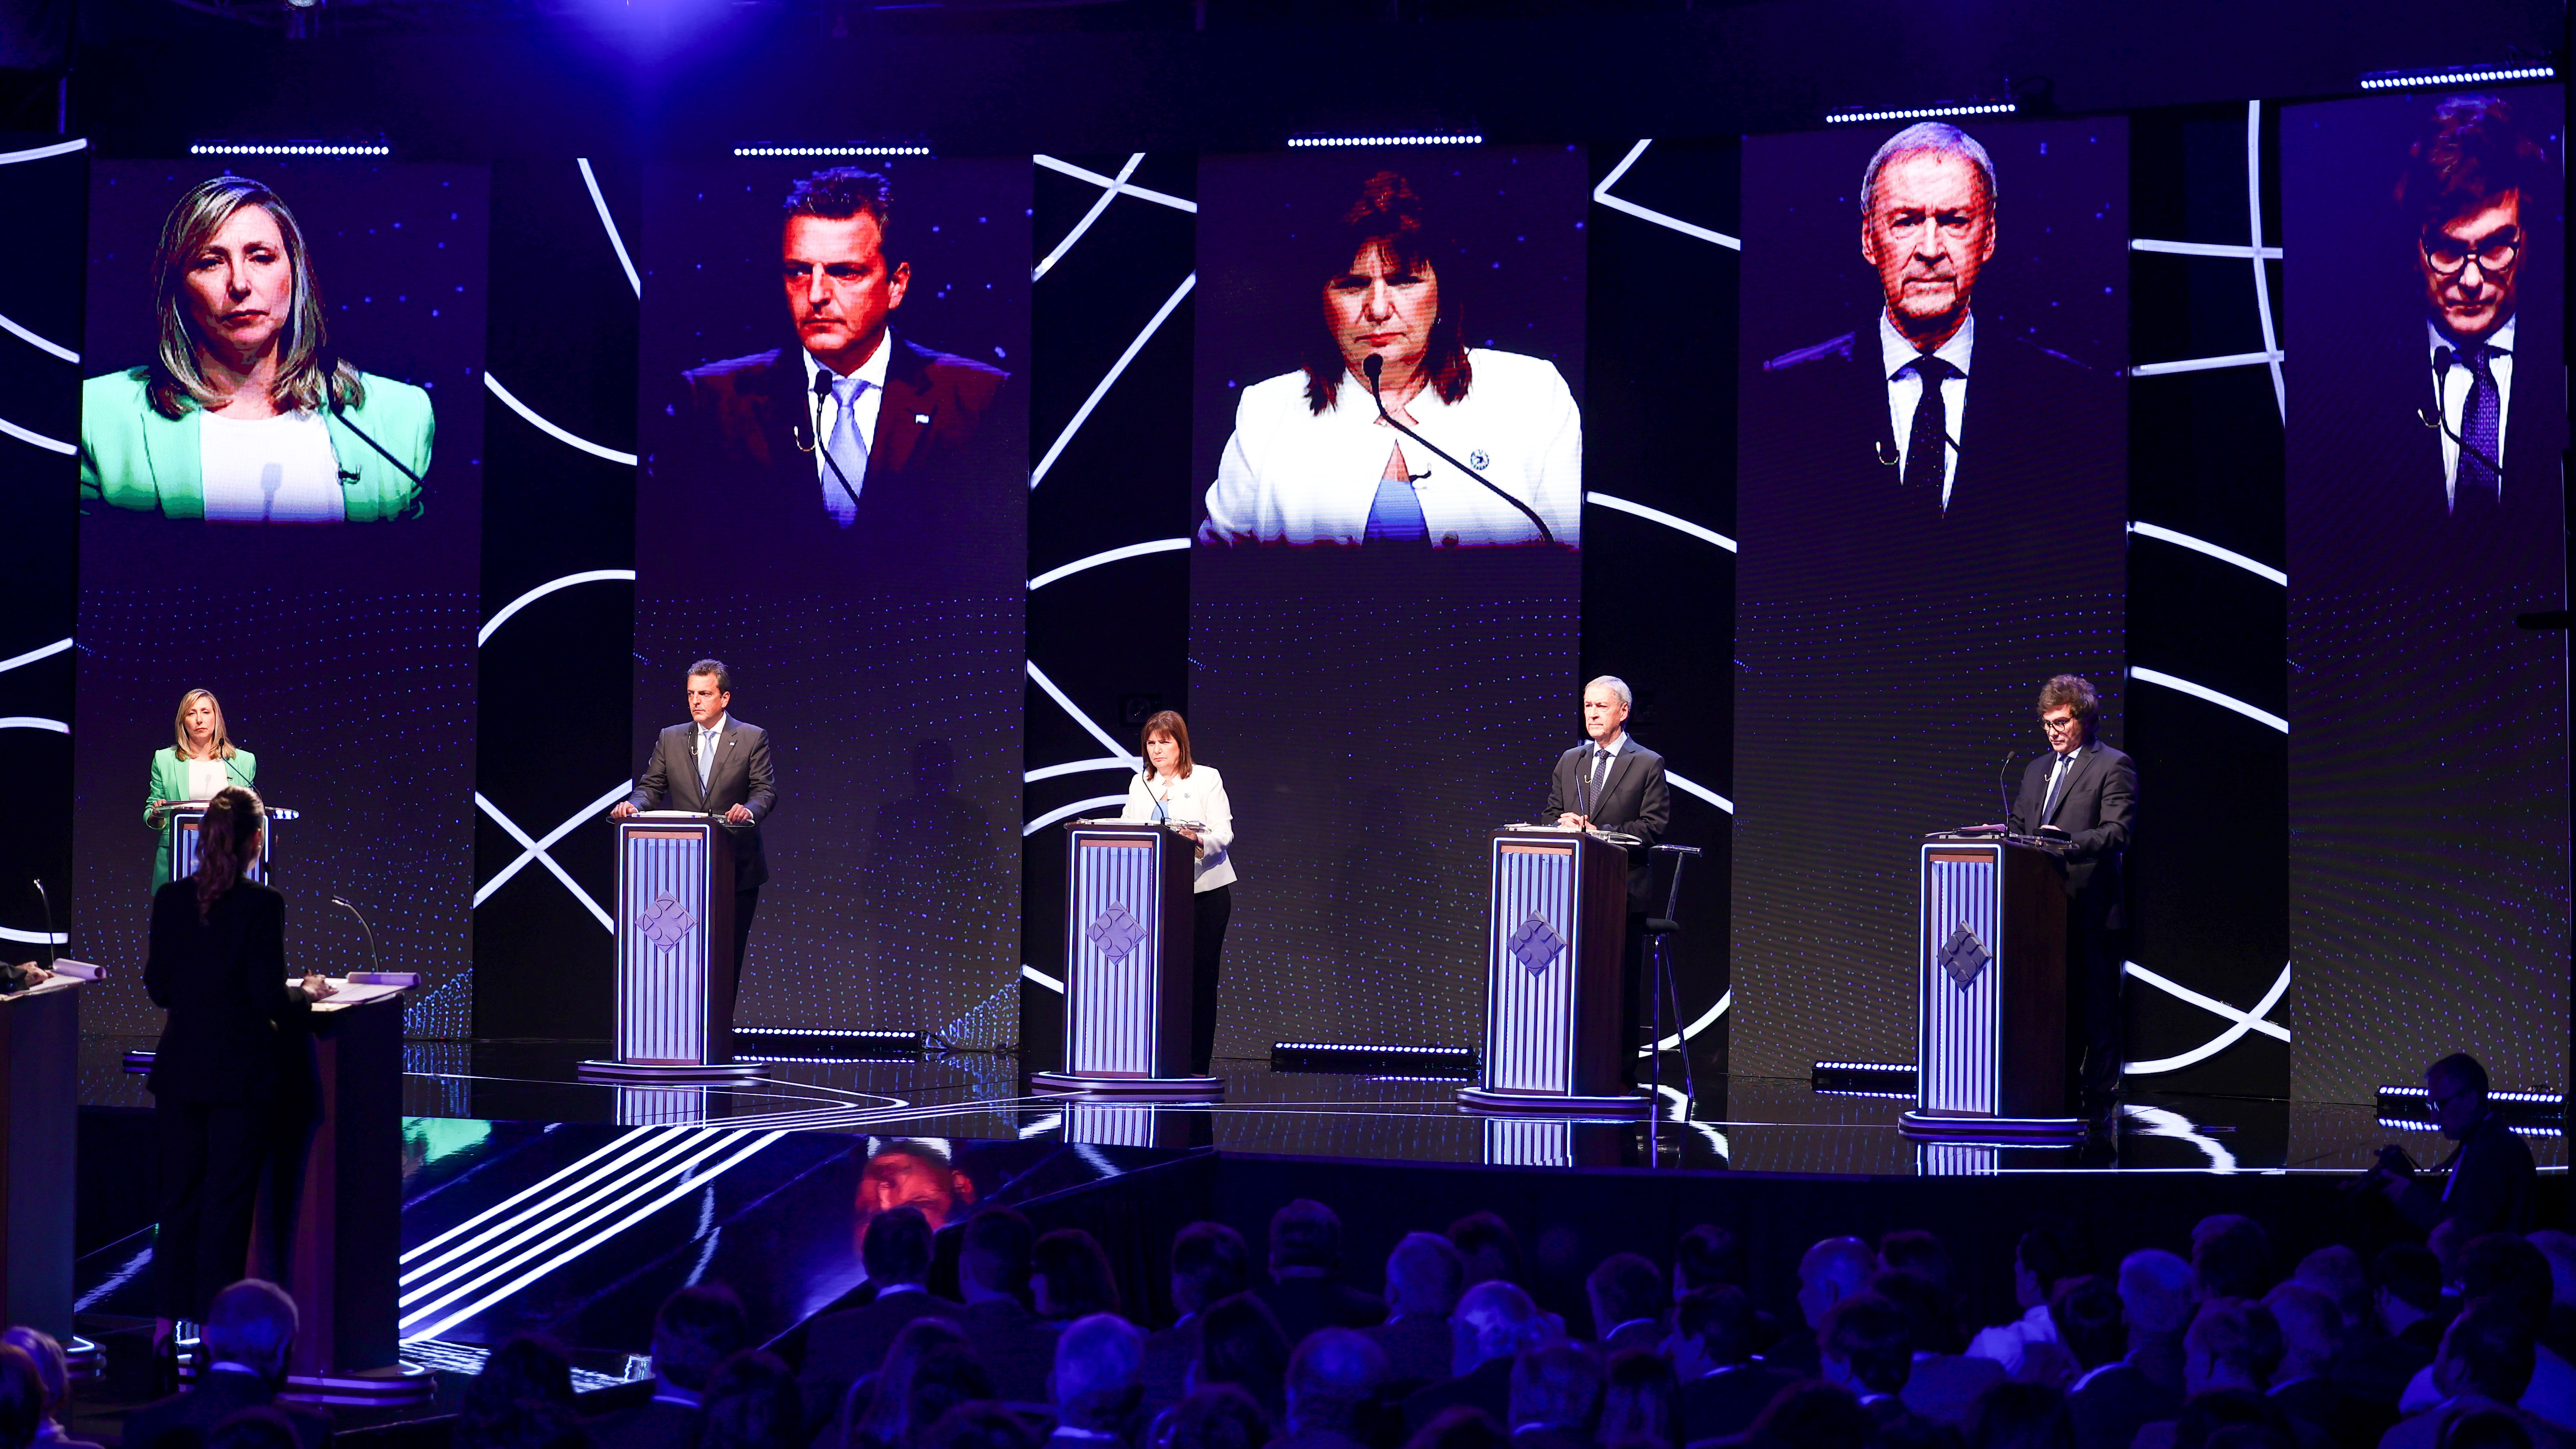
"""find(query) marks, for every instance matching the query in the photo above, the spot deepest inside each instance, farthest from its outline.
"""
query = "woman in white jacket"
(1176, 788)
(1311, 462)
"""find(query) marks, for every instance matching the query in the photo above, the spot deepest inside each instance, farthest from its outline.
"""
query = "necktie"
(2479, 488)
(1927, 446)
(848, 450)
(1600, 775)
(2056, 777)
(706, 759)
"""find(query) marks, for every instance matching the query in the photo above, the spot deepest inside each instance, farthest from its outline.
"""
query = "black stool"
(1658, 969)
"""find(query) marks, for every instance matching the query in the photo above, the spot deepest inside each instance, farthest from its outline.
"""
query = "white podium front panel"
(1961, 1027)
(663, 946)
(1530, 971)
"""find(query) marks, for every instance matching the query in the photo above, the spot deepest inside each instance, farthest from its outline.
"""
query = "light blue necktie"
(706, 759)
(847, 449)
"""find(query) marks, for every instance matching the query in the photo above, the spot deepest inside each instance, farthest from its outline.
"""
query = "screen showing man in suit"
(1931, 500)
(1349, 564)
(281, 506)
(834, 484)
(2424, 278)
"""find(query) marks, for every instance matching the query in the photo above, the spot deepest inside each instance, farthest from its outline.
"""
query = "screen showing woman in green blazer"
(244, 414)
(202, 760)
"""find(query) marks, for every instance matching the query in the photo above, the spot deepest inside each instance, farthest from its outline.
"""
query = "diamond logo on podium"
(665, 922)
(1116, 932)
(1963, 956)
(1534, 945)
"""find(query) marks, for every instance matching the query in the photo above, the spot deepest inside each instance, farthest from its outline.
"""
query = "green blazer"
(170, 782)
(132, 457)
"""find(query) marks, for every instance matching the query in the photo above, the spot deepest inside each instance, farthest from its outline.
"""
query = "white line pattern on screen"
(2198, 545)
(39, 343)
(1601, 194)
(1082, 414)
(30, 435)
(594, 576)
(1657, 515)
(2243, 1021)
(2160, 1122)
(2202, 691)
(1133, 550)
(610, 224)
(39, 153)
(1107, 195)
(32, 655)
(536, 849)
(550, 430)
(1080, 173)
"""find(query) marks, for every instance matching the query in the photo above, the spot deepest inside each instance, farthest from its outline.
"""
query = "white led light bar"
(1925, 113)
(2549, 1099)
(1460, 139)
(1895, 1068)
(819, 1031)
(831, 150)
(287, 148)
(2397, 80)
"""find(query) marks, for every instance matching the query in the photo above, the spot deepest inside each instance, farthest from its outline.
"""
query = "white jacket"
(1198, 796)
(1290, 475)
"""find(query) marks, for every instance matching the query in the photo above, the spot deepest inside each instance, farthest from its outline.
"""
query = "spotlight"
(1862, 1079)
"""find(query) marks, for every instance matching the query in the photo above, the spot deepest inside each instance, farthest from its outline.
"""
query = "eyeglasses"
(2495, 252)
(2060, 726)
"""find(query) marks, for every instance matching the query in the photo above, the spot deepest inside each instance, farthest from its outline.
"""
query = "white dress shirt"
(2006, 1343)
(205, 777)
(1291, 475)
(1905, 389)
(1591, 791)
(2057, 774)
(863, 412)
(1199, 796)
(269, 470)
(702, 746)
(2451, 395)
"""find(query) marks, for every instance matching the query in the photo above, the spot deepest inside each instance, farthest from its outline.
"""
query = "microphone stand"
(47, 902)
(1376, 364)
(376, 964)
(331, 402)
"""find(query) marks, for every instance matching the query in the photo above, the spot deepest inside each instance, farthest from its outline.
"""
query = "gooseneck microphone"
(375, 962)
(48, 903)
(2003, 791)
(822, 390)
(330, 364)
(1373, 365)
(2438, 417)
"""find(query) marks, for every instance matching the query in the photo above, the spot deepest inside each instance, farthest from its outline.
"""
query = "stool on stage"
(1660, 983)
(1558, 924)
(675, 966)
(1990, 974)
(1128, 936)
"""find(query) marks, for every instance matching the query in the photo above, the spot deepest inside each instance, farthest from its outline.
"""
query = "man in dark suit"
(1611, 782)
(1210, 1263)
(844, 1347)
(1724, 1387)
(1305, 1291)
(2488, 1177)
(1017, 1347)
(247, 1335)
(1628, 1301)
(2084, 793)
(698, 1327)
(1556, 1392)
(1333, 1380)
(1494, 1323)
(2111, 1403)
(716, 765)
(1096, 1392)
(854, 447)
(1866, 1345)
(2302, 1383)
(1424, 1276)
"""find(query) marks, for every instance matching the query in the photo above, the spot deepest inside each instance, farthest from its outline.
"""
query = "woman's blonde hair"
(178, 376)
(227, 843)
(179, 725)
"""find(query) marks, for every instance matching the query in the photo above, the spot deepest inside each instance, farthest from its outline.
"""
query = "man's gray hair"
(1617, 686)
(1927, 136)
(251, 1323)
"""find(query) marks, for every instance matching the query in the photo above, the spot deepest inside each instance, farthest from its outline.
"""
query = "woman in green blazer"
(244, 414)
(203, 761)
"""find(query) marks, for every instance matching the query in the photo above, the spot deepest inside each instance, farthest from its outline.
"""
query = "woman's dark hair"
(1240, 1344)
(929, 1370)
(22, 1397)
(1072, 1275)
(1216, 1416)
(1388, 215)
(1638, 1399)
(227, 842)
(2012, 1415)
(1166, 722)
(752, 1404)
(1460, 1426)
(529, 1367)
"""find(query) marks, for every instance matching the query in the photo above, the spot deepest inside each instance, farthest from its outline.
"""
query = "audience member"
(930, 1370)
(2090, 1326)
(2560, 1249)
(2484, 1366)
(1639, 1402)
(2409, 1314)
(698, 1327)
(1808, 1416)
(1555, 1396)
(1488, 1244)
(1424, 1277)
(2225, 1419)
(1705, 1257)
(2337, 1272)
(526, 1368)
(2231, 1345)
(1494, 1324)
(1219, 1416)
(1723, 1385)
(22, 1398)
(2486, 1187)
(1459, 1427)
(2231, 1257)
(532, 1424)
(1942, 1383)
(1865, 1345)
(985, 1426)
(1305, 1290)
(1016, 1346)
(246, 1337)
(1210, 1261)
(1240, 1344)
(1831, 1271)
(1628, 1303)
(1912, 1250)
(845, 1346)
(2047, 1252)
(1333, 1378)
(53, 1374)
(1071, 1276)
(2503, 1269)
(752, 1403)
(2019, 1416)
(2303, 1385)
(1096, 1390)
(2146, 1385)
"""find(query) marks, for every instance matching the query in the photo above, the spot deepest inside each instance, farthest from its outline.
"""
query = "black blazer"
(2097, 804)
(1633, 801)
(2488, 1189)
(842, 1348)
(183, 1419)
(237, 1033)
(740, 775)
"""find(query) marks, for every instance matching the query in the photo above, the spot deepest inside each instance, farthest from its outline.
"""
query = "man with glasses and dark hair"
(2084, 794)
(2489, 1175)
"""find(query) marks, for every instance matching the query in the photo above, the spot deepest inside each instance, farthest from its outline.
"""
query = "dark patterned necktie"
(2479, 489)
(1926, 447)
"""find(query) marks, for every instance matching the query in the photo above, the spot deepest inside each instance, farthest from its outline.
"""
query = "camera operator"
(2490, 1173)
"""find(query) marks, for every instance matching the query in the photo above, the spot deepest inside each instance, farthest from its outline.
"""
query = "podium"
(1557, 925)
(675, 966)
(39, 1050)
(346, 1254)
(1990, 983)
(1128, 936)
(188, 818)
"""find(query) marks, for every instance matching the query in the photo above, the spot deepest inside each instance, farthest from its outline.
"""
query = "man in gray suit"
(716, 765)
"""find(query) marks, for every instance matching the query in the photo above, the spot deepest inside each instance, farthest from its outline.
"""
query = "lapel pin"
(1478, 461)
(922, 418)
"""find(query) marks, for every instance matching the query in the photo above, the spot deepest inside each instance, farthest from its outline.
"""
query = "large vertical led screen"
(834, 503)
(280, 496)
(2424, 261)
(1931, 496)
(1383, 623)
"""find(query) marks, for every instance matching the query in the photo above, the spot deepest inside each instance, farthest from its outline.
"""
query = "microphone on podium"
(1374, 365)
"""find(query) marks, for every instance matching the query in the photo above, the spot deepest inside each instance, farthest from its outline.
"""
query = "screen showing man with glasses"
(2084, 793)
(2463, 189)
